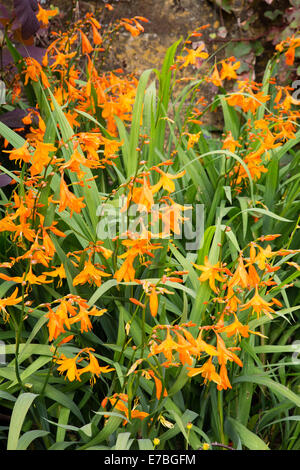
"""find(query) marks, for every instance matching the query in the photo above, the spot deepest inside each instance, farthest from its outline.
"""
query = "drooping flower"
(8, 301)
(259, 305)
(211, 273)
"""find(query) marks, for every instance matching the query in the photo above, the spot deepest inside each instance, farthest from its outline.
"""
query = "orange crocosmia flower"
(192, 55)
(166, 181)
(228, 70)
(69, 365)
(166, 347)
(90, 274)
(9, 301)
(263, 255)
(111, 147)
(192, 139)
(143, 197)
(135, 247)
(62, 59)
(29, 277)
(185, 350)
(153, 302)
(158, 384)
(57, 320)
(83, 317)
(215, 77)
(259, 305)
(240, 276)
(7, 225)
(202, 346)
(34, 71)
(119, 401)
(126, 271)
(211, 272)
(290, 56)
(36, 254)
(93, 367)
(85, 44)
(225, 383)
(74, 164)
(132, 25)
(58, 272)
(44, 15)
(171, 216)
(71, 117)
(40, 158)
(225, 354)
(90, 142)
(253, 276)
(22, 154)
(68, 199)
(229, 143)
(208, 372)
(96, 36)
(238, 329)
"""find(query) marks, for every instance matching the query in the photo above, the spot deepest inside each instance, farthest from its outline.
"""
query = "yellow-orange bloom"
(44, 15)
(259, 305)
(8, 301)
(90, 274)
(68, 199)
(211, 273)
(208, 372)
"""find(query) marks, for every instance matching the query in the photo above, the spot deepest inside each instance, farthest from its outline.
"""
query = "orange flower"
(57, 320)
(8, 301)
(60, 272)
(21, 153)
(263, 255)
(166, 181)
(237, 329)
(153, 302)
(34, 72)
(228, 70)
(143, 197)
(44, 15)
(208, 372)
(192, 55)
(40, 158)
(229, 143)
(93, 367)
(171, 217)
(69, 365)
(29, 277)
(83, 317)
(158, 384)
(119, 401)
(215, 77)
(90, 274)
(211, 272)
(259, 305)
(166, 347)
(68, 199)
(86, 46)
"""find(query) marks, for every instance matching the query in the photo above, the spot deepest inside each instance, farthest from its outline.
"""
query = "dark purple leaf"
(13, 119)
(35, 52)
(4, 180)
(26, 17)
(4, 13)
